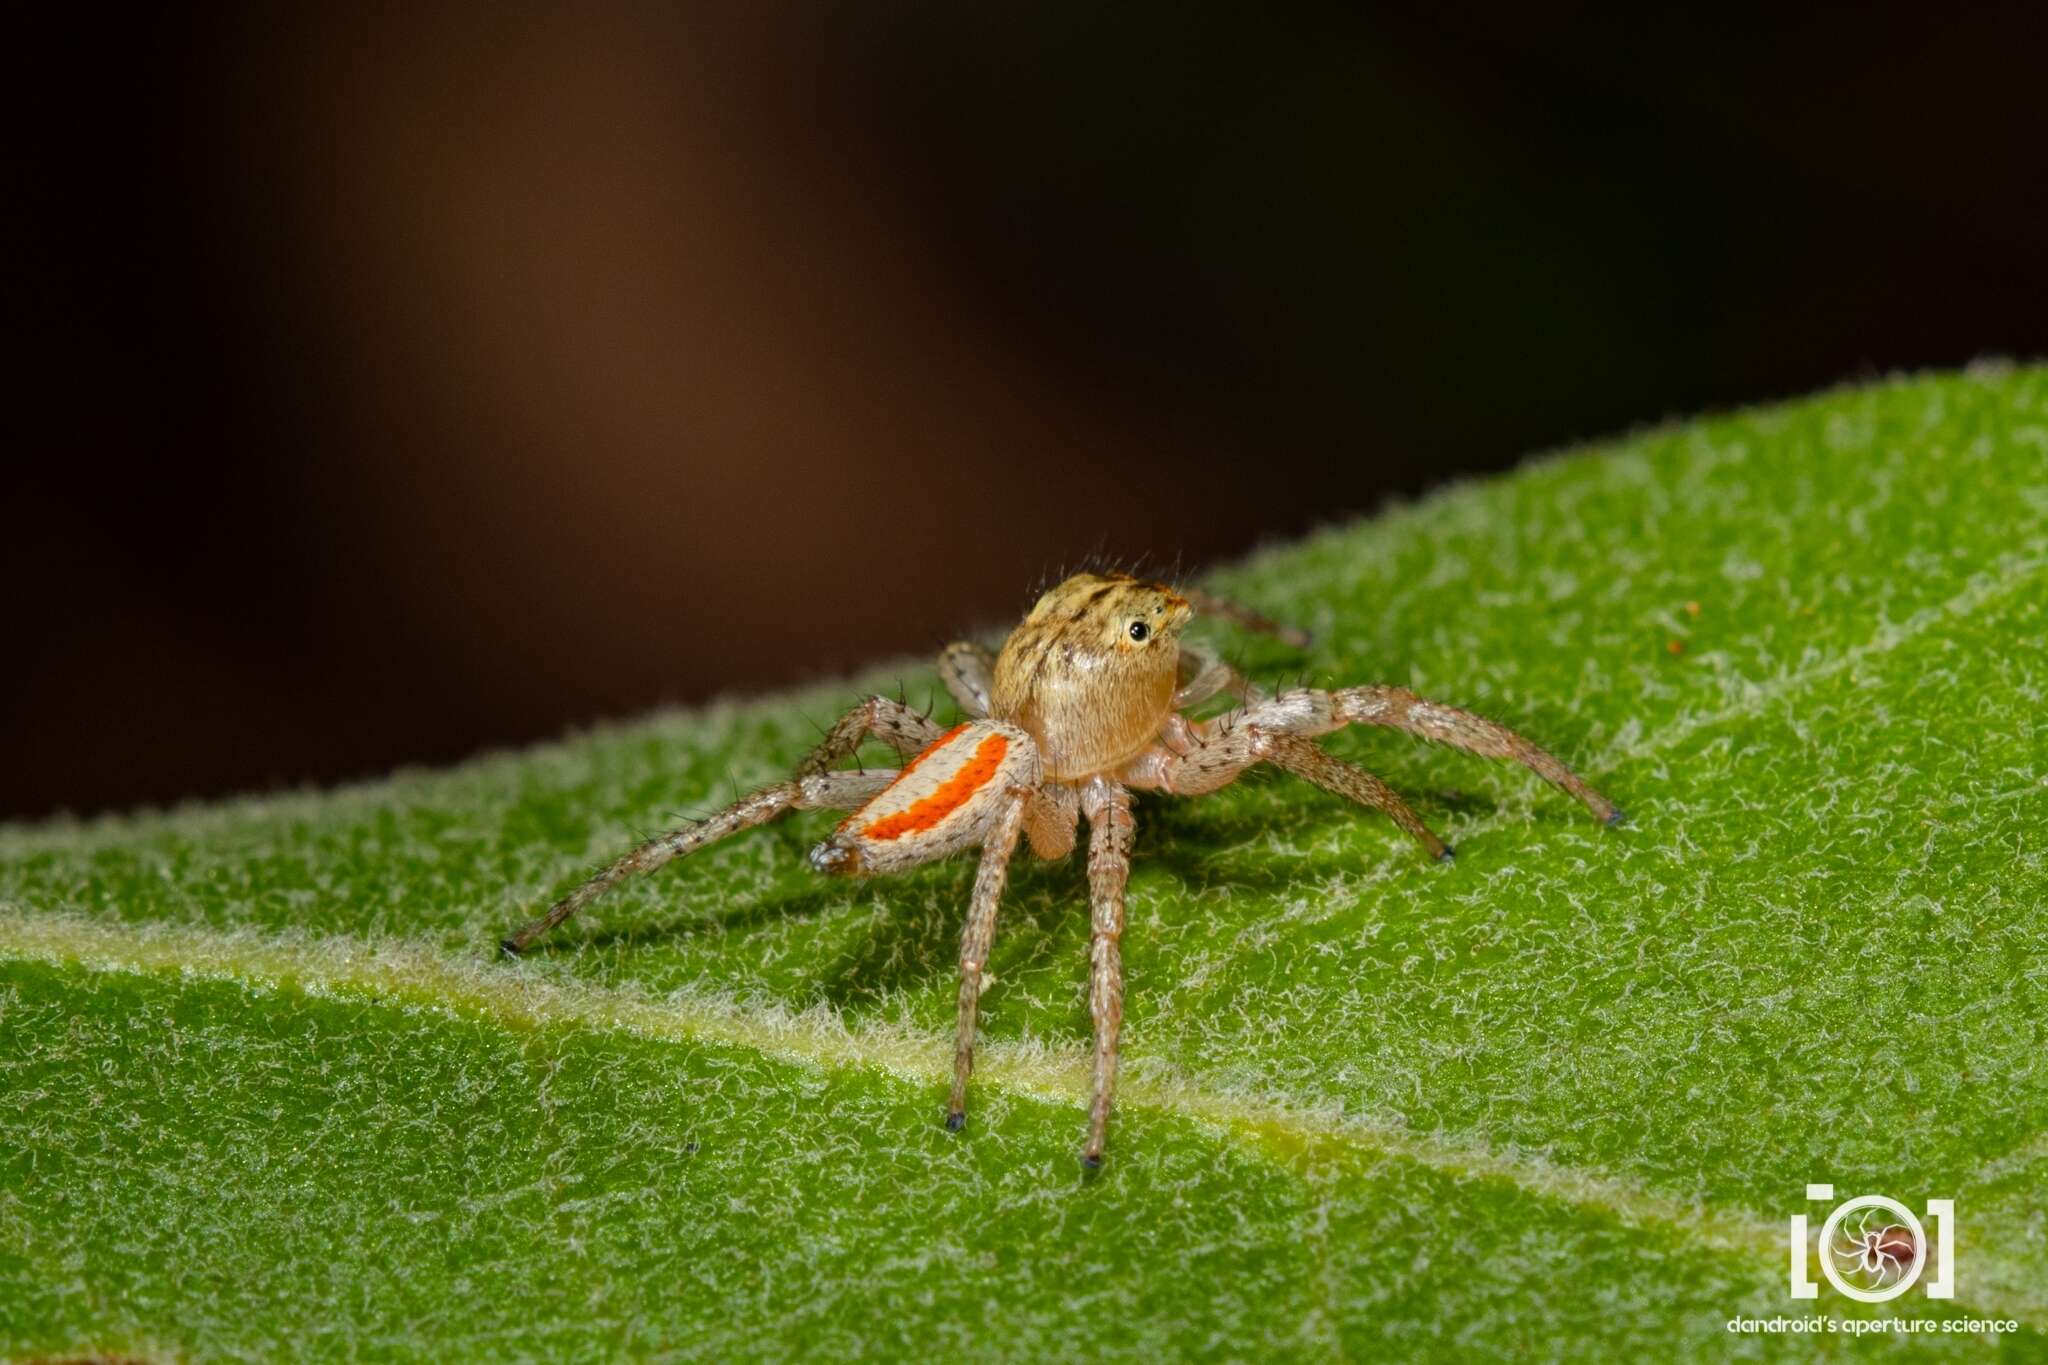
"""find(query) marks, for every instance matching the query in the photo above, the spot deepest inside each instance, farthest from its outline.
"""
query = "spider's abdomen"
(940, 803)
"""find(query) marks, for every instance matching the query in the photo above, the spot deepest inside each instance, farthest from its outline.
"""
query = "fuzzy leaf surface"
(266, 1092)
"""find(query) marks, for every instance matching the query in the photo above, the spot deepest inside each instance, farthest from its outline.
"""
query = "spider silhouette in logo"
(1881, 1255)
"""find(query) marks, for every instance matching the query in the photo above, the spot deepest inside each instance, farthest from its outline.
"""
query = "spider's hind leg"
(812, 788)
(818, 791)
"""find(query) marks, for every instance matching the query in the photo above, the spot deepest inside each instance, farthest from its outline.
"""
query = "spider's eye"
(1139, 630)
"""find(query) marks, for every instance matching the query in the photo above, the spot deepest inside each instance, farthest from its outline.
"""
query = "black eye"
(1139, 630)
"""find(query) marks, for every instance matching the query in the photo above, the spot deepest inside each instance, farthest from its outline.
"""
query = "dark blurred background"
(384, 384)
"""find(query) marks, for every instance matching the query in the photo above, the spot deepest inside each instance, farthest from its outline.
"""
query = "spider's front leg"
(1110, 833)
(977, 784)
(1306, 712)
(1399, 709)
(1196, 758)
(977, 938)
(813, 788)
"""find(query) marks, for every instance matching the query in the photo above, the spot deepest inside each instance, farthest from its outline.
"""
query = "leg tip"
(1447, 854)
(1617, 816)
(955, 1121)
(508, 948)
(1091, 1160)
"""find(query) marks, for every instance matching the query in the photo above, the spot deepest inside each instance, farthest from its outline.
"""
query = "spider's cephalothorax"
(1082, 706)
(1090, 674)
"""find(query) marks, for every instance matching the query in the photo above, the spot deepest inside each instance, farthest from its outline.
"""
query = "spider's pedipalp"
(1052, 820)
(1210, 678)
(968, 672)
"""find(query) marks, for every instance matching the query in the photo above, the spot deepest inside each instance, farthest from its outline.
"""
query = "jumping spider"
(1081, 707)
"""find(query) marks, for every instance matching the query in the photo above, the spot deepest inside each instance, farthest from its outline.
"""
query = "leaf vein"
(396, 973)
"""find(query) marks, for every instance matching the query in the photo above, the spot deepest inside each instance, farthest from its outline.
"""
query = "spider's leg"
(1308, 761)
(976, 939)
(896, 724)
(1208, 604)
(1223, 747)
(1110, 832)
(1401, 709)
(969, 674)
(817, 791)
(1195, 758)
(891, 721)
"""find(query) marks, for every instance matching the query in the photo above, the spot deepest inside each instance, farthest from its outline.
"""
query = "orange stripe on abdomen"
(952, 794)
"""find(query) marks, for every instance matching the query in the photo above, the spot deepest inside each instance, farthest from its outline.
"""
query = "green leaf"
(265, 1092)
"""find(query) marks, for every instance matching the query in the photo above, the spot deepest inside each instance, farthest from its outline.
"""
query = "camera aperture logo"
(1873, 1248)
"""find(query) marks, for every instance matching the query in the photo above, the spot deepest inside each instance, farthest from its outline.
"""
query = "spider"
(1885, 1253)
(1081, 707)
